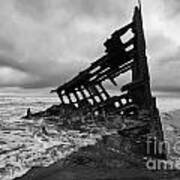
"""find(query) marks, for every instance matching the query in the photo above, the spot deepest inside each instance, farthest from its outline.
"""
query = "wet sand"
(54, 172)
(102, 161)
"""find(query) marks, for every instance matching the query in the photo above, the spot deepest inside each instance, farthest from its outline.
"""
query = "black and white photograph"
(89, 90)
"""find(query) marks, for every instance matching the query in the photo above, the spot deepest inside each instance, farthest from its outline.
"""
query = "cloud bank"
(44, 42)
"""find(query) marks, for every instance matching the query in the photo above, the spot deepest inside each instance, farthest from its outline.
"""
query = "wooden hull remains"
(85, 99)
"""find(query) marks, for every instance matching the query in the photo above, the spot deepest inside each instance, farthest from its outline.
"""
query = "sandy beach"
(89, 164)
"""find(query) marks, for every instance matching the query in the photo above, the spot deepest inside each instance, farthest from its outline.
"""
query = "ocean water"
(23, 145)
(166, 104)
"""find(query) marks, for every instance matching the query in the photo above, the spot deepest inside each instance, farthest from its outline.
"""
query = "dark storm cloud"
(49, 41)
(105, 8)
(45, 42)
(47, 76)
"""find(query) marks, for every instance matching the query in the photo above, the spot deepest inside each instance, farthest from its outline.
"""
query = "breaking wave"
(23, 144)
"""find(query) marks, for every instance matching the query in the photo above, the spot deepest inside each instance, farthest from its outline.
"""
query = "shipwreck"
(86, 94)
(87, 90)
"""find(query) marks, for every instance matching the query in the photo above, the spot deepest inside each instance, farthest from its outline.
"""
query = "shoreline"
(99, 161)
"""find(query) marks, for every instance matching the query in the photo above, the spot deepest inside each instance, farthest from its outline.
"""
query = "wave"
(23, 144)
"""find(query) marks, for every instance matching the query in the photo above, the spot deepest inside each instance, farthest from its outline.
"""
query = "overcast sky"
(44, 42)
